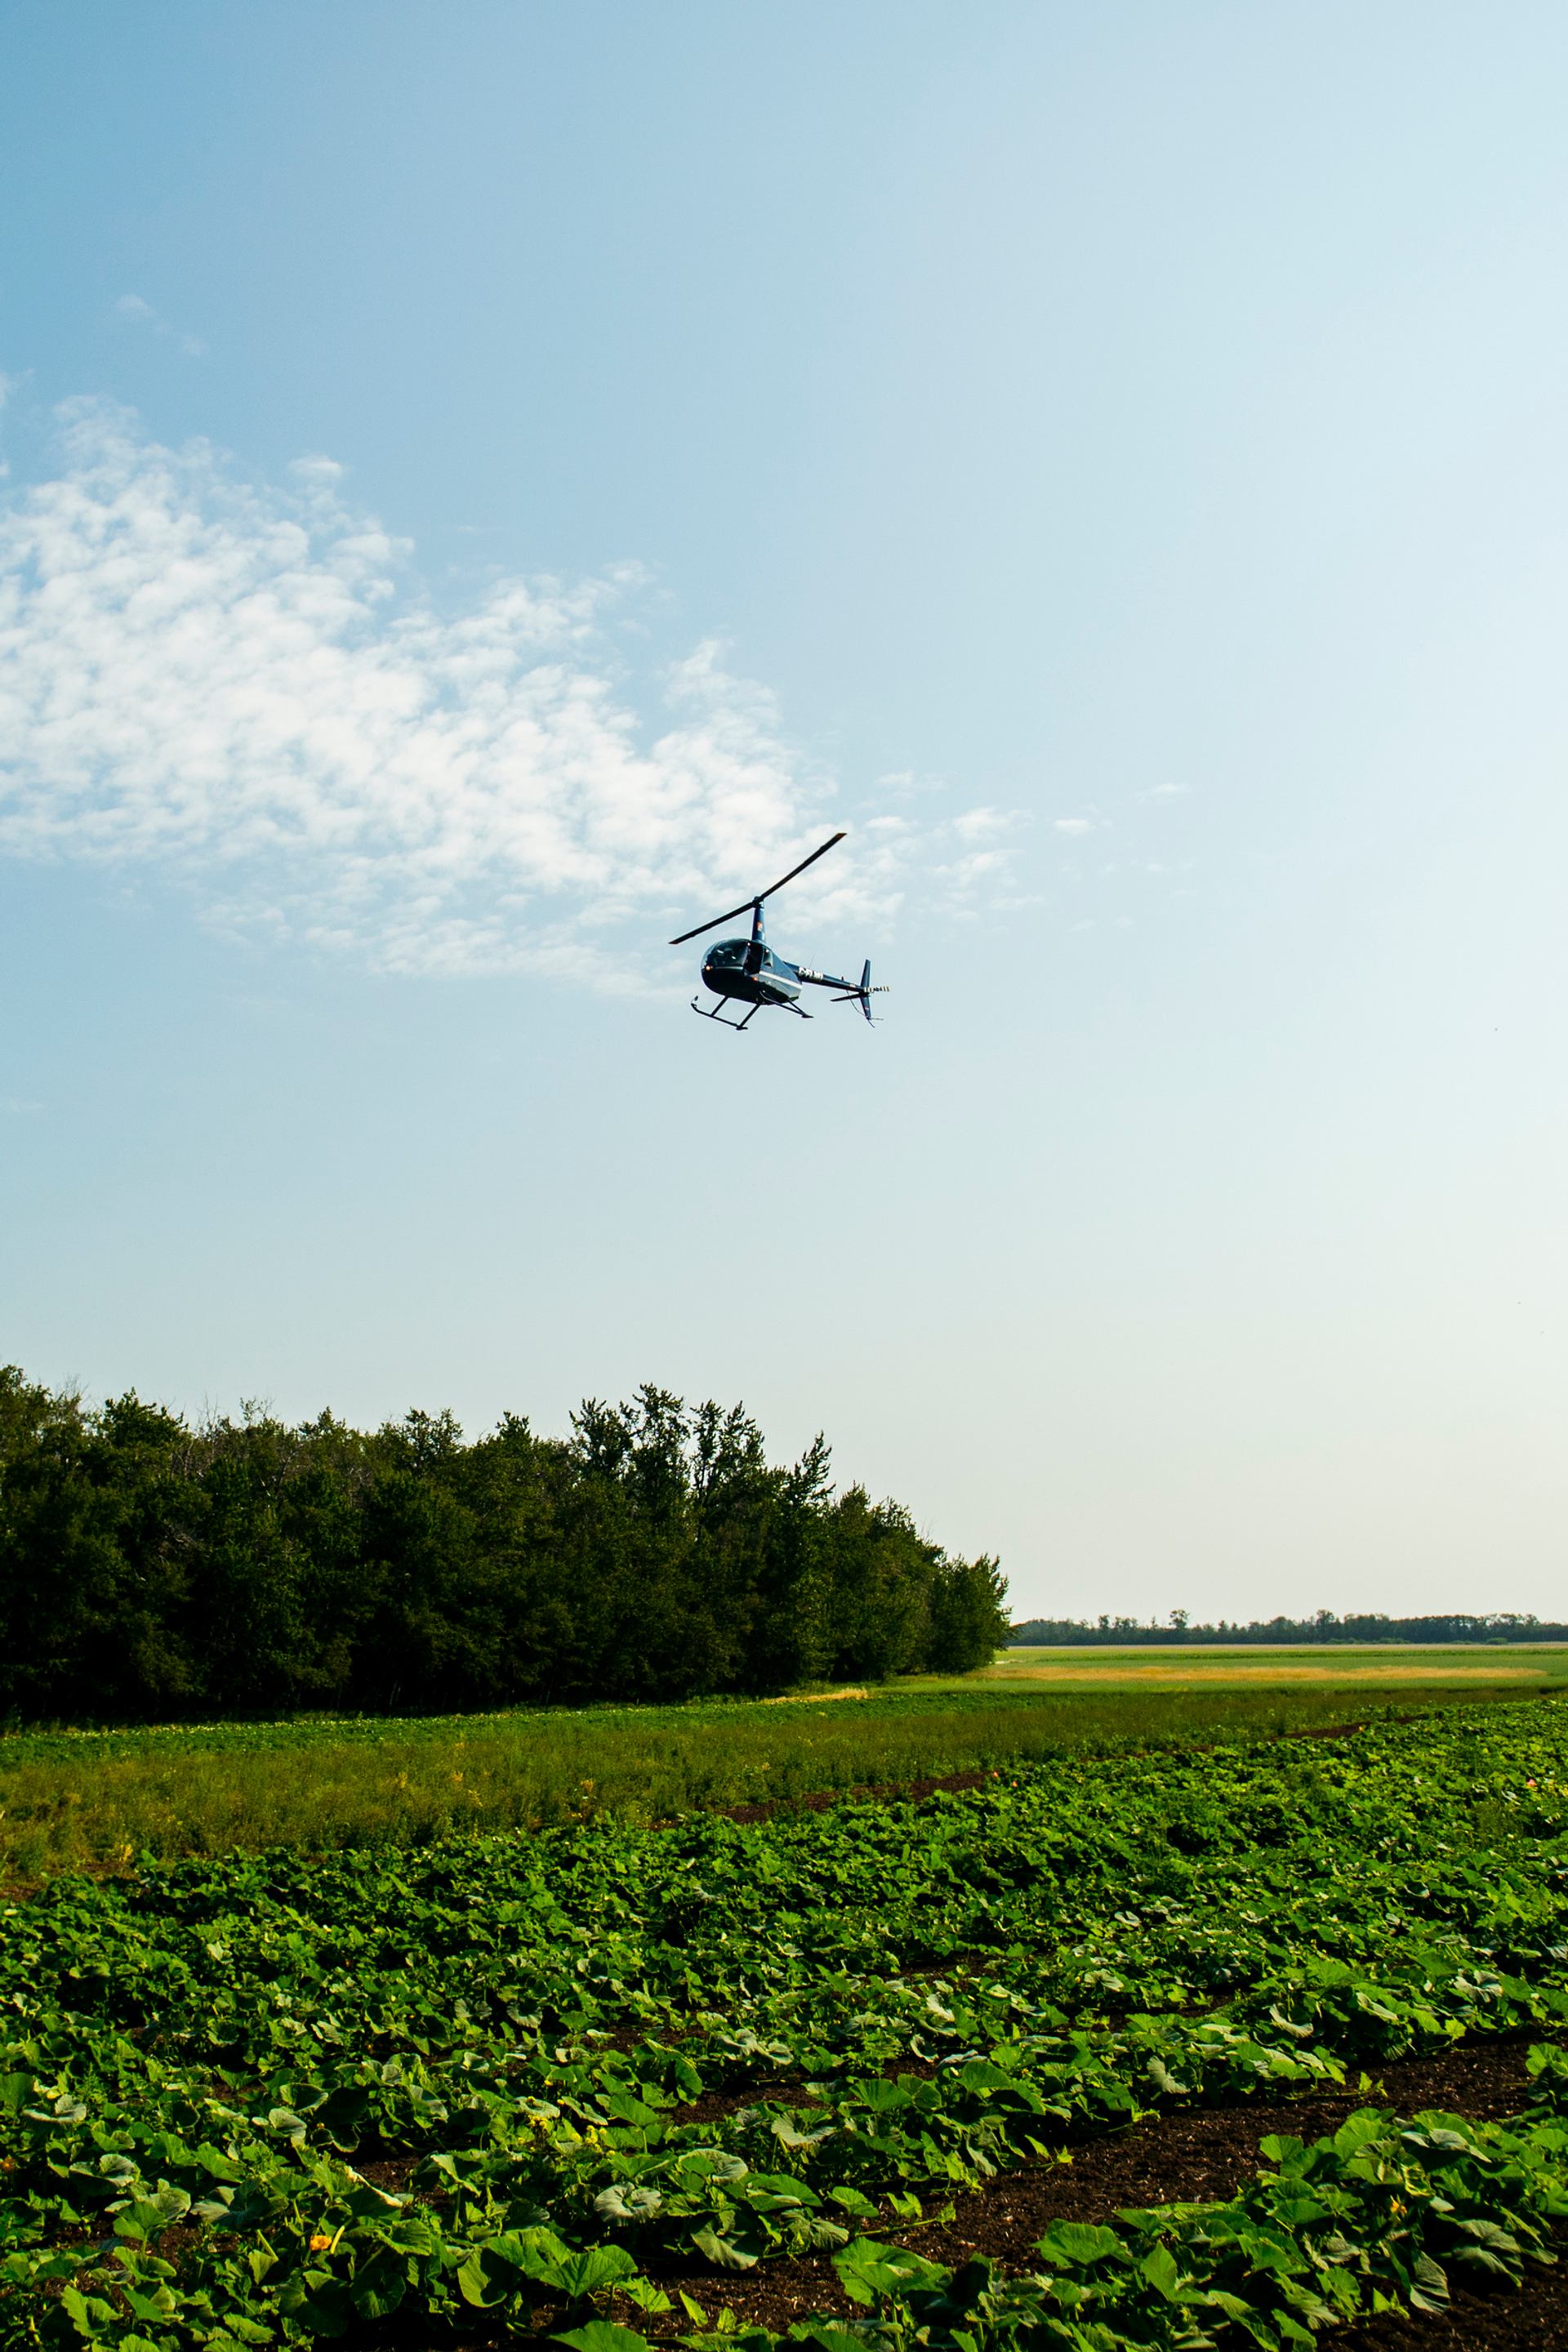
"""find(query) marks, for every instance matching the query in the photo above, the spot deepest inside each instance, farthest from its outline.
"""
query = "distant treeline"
(1066, 1632)
(149, 1568)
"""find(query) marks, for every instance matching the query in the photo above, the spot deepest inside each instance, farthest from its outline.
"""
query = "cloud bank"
(247, 686)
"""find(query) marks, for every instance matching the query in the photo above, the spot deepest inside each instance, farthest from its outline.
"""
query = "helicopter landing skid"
(704, 1014)
(713, 1013)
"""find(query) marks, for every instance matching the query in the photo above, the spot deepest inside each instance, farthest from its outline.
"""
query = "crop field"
(1384, 1666)
(1151, 2048)
(98, 1801)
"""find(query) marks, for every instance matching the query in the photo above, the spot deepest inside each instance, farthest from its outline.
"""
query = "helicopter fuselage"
(750, 970)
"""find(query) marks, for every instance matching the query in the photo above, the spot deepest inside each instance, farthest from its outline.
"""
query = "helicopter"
(749, 971)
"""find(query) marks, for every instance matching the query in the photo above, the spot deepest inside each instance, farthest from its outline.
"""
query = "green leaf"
(884, 2098)
(785, 2133)
(1159, 2267)
(851, 2200)
(1490, 2233)
(1358, 2130)
(722, 2252)
(1431, 2277)
(147, 2217)
(1079, 2243)
(577, 2276)
(603, 2336)
(866, 2270)
(88, 2313)
(318, 2301)
(645, 2294)
(1481, 2258)
(526, 2250)
(484, 2283)
(379, 2287)
(621, 2202)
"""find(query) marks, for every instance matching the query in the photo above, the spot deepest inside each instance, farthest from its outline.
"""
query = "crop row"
(1381, 2216)
(277, 2097)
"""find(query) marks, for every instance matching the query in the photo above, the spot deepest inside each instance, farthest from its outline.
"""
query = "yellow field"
(1521, 1666)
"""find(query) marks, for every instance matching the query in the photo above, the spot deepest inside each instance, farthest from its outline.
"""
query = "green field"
(1383, 1666)
(101, 1799)
(603, 2083)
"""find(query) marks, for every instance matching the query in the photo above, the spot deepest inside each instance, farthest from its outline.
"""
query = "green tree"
(247, 1566)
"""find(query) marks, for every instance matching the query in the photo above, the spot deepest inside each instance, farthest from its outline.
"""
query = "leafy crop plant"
(526, 2080)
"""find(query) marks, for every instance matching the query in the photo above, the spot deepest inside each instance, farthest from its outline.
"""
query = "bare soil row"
(1199, 2154)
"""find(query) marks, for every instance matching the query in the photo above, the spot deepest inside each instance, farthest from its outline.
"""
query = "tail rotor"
(863, 994)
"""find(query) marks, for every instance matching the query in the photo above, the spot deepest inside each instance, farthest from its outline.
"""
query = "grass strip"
(103, 1800)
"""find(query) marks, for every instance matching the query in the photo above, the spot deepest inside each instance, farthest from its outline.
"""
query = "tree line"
(1076, 1633)
(153, 1567)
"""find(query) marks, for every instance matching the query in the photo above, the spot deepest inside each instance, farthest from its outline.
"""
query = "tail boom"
(858, 992)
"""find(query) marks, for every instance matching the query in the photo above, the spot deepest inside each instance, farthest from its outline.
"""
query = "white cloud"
(1165, 793)
(1074, 824)
(132, 306)
(984, 824)
(245, 684)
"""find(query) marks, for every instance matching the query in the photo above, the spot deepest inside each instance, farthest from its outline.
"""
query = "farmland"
(1221, 2039)
(1386, 1668)
(98, 1800)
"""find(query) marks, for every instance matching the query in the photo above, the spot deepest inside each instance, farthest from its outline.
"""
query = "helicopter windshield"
(728, 951)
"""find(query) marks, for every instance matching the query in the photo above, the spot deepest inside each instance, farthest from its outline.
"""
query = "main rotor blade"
(745, 906)
(698, 928)
(798, 869)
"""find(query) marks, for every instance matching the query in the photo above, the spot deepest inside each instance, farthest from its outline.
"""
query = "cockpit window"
(728, 951)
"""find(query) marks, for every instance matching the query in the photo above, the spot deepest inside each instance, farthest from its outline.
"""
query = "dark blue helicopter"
(748, 970)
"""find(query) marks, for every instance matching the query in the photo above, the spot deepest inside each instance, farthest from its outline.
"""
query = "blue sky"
(488, 486)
